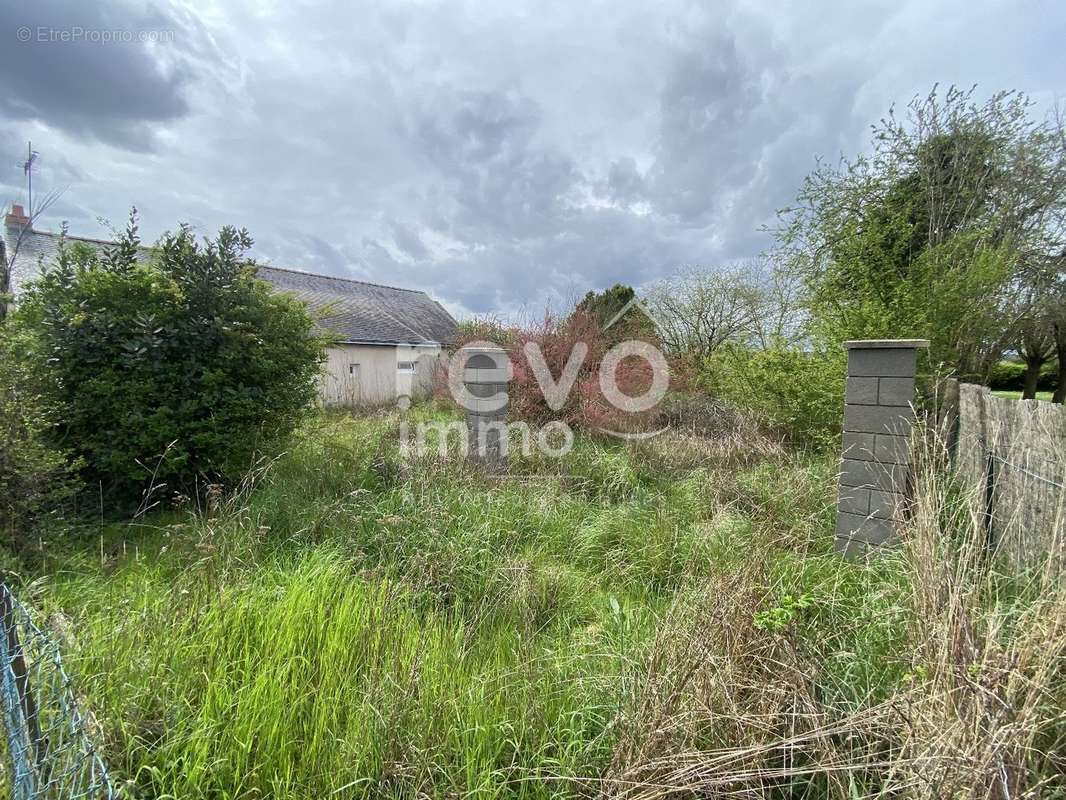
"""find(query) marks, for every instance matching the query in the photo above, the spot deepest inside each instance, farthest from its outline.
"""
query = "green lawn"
(360, 625)
(1011, 395)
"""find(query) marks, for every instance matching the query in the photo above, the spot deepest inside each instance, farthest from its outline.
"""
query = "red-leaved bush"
(559, 342)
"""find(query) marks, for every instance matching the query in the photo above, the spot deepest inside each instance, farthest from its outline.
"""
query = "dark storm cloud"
(503, 157)
(67, 64)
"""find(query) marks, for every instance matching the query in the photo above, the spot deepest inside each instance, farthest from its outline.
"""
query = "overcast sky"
(499, 155)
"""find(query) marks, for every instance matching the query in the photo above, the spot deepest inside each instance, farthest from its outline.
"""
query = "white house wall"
(377, 380)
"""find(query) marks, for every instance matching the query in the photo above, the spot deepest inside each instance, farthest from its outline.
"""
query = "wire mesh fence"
(47, 747)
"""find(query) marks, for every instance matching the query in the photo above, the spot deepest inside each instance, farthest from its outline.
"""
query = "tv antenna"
(27, 168)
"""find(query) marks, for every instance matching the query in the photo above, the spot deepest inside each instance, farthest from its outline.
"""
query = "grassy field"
(661, 620)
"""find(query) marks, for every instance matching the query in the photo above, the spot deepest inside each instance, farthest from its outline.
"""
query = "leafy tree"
(933, 233)
(738, 333)
(603, 308)
(1036, 347)
(1040, 305)
(173, 370)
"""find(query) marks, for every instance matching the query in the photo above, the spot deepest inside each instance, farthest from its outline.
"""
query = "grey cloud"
(498, 159)
(408, 241)
(707, 138)
(311, 253)
(625, 184)
(599, 247)
(500, 180)
(111, 90)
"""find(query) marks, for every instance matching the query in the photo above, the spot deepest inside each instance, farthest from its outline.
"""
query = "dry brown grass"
(728, 709)
(703, 432)
(683, 450)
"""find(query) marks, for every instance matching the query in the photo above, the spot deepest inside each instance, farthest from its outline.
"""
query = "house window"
(405, 366)
(353, 369)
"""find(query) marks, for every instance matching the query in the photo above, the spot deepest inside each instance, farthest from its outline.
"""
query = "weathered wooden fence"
(1014, 451)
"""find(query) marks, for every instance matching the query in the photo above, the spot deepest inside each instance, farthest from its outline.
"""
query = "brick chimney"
(16, 217)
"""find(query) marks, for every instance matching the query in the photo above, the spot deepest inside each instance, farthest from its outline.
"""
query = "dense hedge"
(1010, 376)
(173, 372)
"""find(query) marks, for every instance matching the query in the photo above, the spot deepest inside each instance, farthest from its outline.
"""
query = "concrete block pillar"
(486, 377)
(878, 417)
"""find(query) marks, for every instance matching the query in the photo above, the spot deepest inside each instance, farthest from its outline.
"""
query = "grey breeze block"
(891, 362)
(882, 447)
(878, 417)
(895, 420)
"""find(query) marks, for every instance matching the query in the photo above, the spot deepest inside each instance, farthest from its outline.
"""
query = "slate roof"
(355, 311)
(366, 312)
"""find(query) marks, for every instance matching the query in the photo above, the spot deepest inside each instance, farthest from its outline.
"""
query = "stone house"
(387, 340)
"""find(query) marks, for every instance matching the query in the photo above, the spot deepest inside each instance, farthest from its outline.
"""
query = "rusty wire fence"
(47, 745)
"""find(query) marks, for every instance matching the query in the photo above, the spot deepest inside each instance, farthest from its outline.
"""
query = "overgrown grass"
(626, 621)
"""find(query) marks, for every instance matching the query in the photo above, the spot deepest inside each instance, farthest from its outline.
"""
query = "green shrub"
(1007, 375)
(799, 391)
(176, 371)
(1010, 376)
(36, 478)
(1049, 377)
